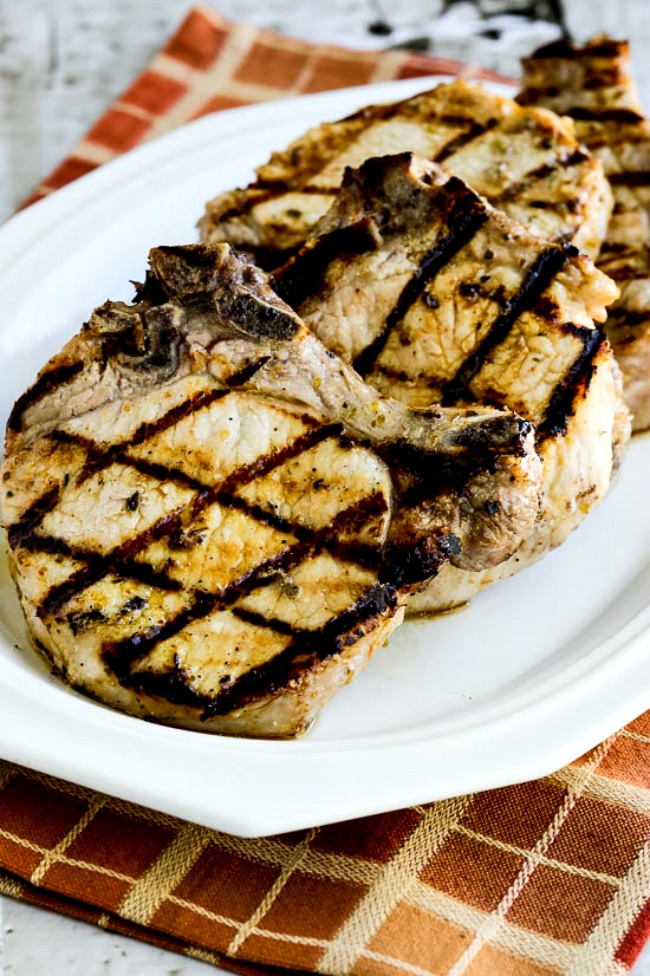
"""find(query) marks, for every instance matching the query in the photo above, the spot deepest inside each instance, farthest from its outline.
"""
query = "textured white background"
(61, 63)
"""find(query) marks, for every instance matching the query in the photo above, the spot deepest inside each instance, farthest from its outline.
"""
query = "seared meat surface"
(526, 161)
(214, 522)
(593, 85)
(436, 297)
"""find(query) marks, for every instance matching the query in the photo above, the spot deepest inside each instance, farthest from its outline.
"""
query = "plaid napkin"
(548, 877)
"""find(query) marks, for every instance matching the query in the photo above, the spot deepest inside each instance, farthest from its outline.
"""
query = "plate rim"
(384, 751)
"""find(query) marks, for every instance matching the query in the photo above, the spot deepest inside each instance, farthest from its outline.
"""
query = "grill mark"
(626, 273)
(299, 278)
(142, 572)
(161, 472)
(365, 556)
(271, 623)
(203, 603)
(228, 500)
(617, 248)
(538, 279)
(465, 218)
(22, 531)
(100, 565)
(221, 493)
(46, 383)
(307, 648)
(265, 463)
(463, 139)
(540, 173)
(244, 374)
(99, 458)
(622, 115)
(117, 454)
(148, 429)
(326, 191)
(118, 560)
(173, 686)
(262, 191)
(254, 195)
(561, 406)
(96, 570)
(636, 178)
(279, 188)
(604, 78)
(120, 656)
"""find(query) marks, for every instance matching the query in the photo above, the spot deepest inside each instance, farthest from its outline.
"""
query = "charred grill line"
(300, 277)
(632, 178)
(463, 139)
(538, 279)
(266, 190)
(392, 373)
(173, 686)
(575, 383)
(62, 593)
(538, 174)
(128, 568)
(148, 429)
(21, 532)
(46, 383)
(271, 623)
(246, 372)
(161, 472)
(622, 115)
(119, 559)
(307, 648)
(122, 655)
(99, 458)
(280, 187)
(464, 219)
(366, 556)
(228, 500)
(265, 463)
(100, 565)
(271, 676)
(418, 562)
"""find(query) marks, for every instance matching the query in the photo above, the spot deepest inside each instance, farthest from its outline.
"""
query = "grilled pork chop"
(525, 161)
(436, 297)
(212, 520)
(593, 85)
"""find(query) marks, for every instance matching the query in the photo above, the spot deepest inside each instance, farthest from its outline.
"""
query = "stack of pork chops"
(379, 385)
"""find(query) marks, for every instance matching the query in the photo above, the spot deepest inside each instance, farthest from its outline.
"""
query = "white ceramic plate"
(536, 671)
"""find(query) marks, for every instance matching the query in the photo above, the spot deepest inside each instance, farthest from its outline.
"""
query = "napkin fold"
(547, 877)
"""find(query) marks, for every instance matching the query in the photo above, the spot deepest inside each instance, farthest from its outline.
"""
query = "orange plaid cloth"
(544, 878)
